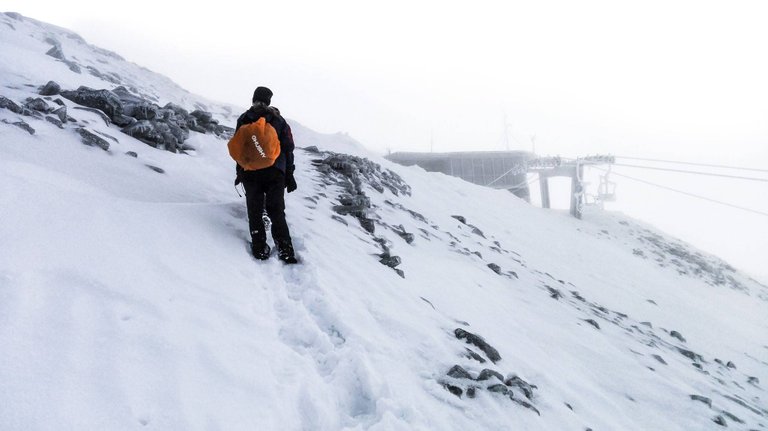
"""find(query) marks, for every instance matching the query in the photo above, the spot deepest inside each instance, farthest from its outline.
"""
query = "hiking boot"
(285, 252)
(260, 252)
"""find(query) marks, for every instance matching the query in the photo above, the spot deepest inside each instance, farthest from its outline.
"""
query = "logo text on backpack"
(258, 146)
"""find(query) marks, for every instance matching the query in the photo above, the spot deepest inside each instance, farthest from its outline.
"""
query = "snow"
(128, 299)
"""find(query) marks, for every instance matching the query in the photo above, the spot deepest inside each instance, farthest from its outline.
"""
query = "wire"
(686, 193)
(518, 167)
(693, 164)
(765, 180)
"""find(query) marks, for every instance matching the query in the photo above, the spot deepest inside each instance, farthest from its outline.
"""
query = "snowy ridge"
(128, 299)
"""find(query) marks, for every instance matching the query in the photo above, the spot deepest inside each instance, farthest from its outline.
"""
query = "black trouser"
(266, 188)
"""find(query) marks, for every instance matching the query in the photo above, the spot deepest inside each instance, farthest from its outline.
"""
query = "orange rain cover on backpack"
(255, 145)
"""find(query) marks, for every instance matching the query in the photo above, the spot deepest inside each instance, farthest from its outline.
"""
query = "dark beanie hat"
(262, 94)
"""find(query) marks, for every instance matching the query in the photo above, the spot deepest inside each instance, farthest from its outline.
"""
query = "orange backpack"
(255, 145)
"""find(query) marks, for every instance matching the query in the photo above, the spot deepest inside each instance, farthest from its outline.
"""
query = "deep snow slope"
(128, 299)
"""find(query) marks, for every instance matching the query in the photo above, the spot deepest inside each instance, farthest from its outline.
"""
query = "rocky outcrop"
(103, 100)
(352, 174)
(160, 127)
(58, 53)
(22, 125)
(479, 342)
(50, 89)
(91, 139)
(10, 105)
(37, 104)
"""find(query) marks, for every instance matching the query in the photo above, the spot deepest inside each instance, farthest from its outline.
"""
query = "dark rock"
(479, 342)
(132, 154)
(660, 359)
(203, 118)
(110, 77)
(156, 169)
(731, 365)
(368, 225)
(383, 243)
(733, 417)
(356, 210)
(455, 390)
(675, 334)
(753, 380)
(50, 89)
(473, 355)
(498, 388)
(428, 302)
(570, 407)
(37, 104)
(495, 268)
(524, 386)
(355, 201)
(400, 272)
(191, 124)
(22, 125)
(59, 102)
(55, 121)
(104, 100)
(578, 296)
(98, 112)
(311, 149)
(390, 261)
(340, 220)
(477, 231)
(153, 133)
(689, 354)
(457, 372)
(471, 391)
(593, 323)
(488, 373)
(56, 52)
(407, 237)
(178, 110)
(720, 421)
(10, 105)
(703, 399)
(462, 219)
(91, 139)
(142, 110)
(124, 120)
(127, 96)
(72, 66)
(61, 113)
(554, 293)
(528, 406)
(108, 136)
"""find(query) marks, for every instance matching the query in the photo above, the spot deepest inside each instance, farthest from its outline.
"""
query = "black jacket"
(284, 161)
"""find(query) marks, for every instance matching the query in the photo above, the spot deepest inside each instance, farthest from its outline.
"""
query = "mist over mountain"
(129, 299)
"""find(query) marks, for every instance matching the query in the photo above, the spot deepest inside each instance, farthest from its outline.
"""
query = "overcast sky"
(683, 80)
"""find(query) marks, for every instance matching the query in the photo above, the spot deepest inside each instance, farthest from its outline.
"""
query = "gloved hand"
(238, 175)
(290, 181)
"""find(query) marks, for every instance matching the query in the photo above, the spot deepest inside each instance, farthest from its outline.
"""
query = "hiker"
(263, 149)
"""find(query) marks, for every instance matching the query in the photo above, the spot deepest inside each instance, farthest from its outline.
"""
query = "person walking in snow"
(263, 149)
